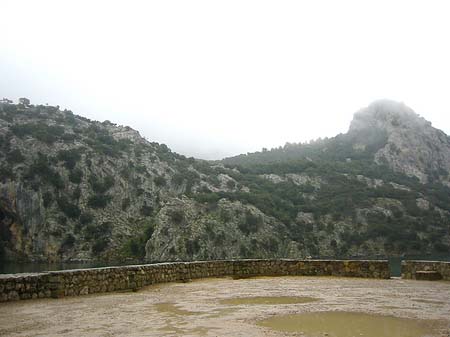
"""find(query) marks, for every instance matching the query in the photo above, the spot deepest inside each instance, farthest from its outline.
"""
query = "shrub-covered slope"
(73, 189)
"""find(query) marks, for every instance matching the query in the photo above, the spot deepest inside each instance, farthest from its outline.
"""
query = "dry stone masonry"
(426, 270)
(97, 280)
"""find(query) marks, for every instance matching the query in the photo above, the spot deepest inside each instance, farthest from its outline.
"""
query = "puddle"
(172, 309)
(171, 329)
(429, 301)
(216, 313)
(268, 300)
(347, 324)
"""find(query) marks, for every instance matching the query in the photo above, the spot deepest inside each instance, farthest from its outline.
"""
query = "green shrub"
(95, 232)
(178, 179)
(104, 143)
(159, 181)
(43, 168)
(135, 247)
(441, 247)
(251, 224)
(86, 218)
(41, 131)
(47, 198)
(146, 210)
(177, 216)
(231, 184)
(15, 156)
(6, 172)
(69, 157)
(99, 200)
(69, 241)
(75, 176)
(100, 245)
(72, 211)
(76, 193)
(192, 247)
(125, 204)
(101, 186)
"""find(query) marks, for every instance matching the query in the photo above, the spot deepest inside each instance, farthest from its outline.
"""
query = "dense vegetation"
(85, 189)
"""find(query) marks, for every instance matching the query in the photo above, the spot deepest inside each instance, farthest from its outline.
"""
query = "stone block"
(25, 296)
(59, 293)
(428, 275)
(13, 296)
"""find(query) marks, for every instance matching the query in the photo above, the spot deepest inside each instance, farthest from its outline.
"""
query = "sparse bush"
(41, 131)
(69, 241)
(100, 245)
(101, 186)
(125, 204)
(178, 179)
(99, 200)
(6, 172)
(72, 211)
(86, 218)
(135, 247)
(15, 156)
(159, 181)
(42, 168)
(69, 157)
(177, 216)
(76, 193)
(95, 232)
(192, 247)
(146, 210)
(75, 176)
(251, 224)
(441, 247)
(231, 184)
(47, 198)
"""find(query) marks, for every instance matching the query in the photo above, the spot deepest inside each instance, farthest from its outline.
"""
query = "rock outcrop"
(413, 146)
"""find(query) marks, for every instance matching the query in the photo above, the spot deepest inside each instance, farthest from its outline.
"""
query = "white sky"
(219, 78)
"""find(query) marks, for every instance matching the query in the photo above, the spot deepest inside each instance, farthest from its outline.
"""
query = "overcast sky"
(218, 78)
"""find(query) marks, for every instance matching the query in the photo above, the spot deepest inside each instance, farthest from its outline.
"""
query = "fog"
(218, 78)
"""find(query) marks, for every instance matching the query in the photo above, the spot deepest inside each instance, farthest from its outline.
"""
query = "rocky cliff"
(76, 189)
(413, 146)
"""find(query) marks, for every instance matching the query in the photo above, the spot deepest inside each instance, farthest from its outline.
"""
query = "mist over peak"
(387, 114)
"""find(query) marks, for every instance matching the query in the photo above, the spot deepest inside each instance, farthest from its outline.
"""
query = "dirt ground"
(204, 307)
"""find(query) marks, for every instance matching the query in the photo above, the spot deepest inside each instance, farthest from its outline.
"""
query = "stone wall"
(96, 280)
(410, 268)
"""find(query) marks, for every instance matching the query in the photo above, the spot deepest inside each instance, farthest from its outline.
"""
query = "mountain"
(387, 132)
(76, 189)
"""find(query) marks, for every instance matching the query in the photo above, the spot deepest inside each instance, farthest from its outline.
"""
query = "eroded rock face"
(187, 230)
(75, 189)
(413, 146)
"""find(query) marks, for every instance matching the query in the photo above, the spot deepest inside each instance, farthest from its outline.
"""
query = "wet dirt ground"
(226, 307)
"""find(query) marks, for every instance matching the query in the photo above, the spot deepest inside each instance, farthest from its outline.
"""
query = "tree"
(24, 101)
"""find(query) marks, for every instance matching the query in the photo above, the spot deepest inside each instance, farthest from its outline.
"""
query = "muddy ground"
(204, 307)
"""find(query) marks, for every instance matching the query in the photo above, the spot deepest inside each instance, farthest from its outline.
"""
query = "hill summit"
(413, 146)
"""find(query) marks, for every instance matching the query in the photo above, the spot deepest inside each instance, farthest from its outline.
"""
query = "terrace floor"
(226, 307)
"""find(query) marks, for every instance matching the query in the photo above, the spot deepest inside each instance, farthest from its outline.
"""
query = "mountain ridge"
(75, 189)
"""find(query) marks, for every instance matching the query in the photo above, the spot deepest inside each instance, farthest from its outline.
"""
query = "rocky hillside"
(413, 146)
(76, 189)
